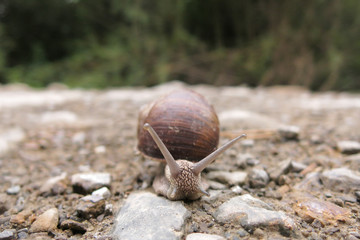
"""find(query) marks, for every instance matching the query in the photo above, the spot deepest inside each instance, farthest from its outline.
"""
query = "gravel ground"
(57, 146)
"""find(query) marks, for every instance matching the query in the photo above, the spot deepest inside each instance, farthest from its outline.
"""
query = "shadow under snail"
(181, 129)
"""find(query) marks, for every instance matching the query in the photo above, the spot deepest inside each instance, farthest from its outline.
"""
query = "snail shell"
(185, 122)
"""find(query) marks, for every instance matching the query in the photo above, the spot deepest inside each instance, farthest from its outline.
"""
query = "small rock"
(214, 195)
(147, 216)
(103, 192)
(289, 132)
(236, 189)
(252, 213)
(243, 160)
(310, 208)
(203, 236)
(75, 226)
(87, 182)
(79, 138)
(341, 180)
(281, 169)
(4, 203)
(348, 147)
(310, 183)
(90, 207)
(297, 167)
(232, 178)
(258, 178)
(54, 186)
(21, 217)
(46, 222)
(100, 149)
(8, 234)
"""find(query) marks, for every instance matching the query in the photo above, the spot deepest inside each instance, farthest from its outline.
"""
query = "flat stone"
(147, 216)
(232, 178)
(46, 222)
(348, 147)
(251, 213)
(7, 234)
(310, 208)
(203, 236)
(341, 179)
(88, 182)
(90, 207)
(73, 225)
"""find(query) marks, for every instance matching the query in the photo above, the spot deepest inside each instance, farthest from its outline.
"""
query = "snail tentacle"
(174, 167)
(200, 166)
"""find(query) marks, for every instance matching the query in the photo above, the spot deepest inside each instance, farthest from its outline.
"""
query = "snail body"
(181, 129)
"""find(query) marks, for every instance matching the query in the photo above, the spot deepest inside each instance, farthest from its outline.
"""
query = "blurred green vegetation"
(98, 44)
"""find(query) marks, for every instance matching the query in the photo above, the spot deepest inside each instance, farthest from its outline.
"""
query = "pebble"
(281, 169)
(289, 132)
(236, 189)
(75, 226)
(7, 234)
(147, 216)
(232, 178)
(203, 236)
(21, 217)
(54, 186)
(348, 147)
(341, 180)
(100, 149)
(251, 213)
(258, 178)
(88, 182)
(4, 204)
(79, 138)
(90, 207)
(46, 222)
(103, 192)
(311, 208)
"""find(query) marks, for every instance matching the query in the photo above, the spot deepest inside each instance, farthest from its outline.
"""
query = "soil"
(108, 121)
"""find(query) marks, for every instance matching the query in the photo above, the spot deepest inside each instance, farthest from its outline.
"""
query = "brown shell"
(184, 121)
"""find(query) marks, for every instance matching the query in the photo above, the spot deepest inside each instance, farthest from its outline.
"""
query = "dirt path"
(61, 132)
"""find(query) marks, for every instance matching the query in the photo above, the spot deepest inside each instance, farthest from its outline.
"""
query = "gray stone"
(258, 178)
(250, 213)
(348, 147)
(103, 192)
(13, 190)
(7, 234)
(203, 236)
(90, 207)
(341, 180)
(147, 216)
(87, 182)
(289, 132)
(282, 168)
(232, 178)
(73, 225)
(46, 222)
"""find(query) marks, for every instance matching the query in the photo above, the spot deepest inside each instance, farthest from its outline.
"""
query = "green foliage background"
(106, 43)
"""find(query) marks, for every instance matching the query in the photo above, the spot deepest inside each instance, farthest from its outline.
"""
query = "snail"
(181, 129)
